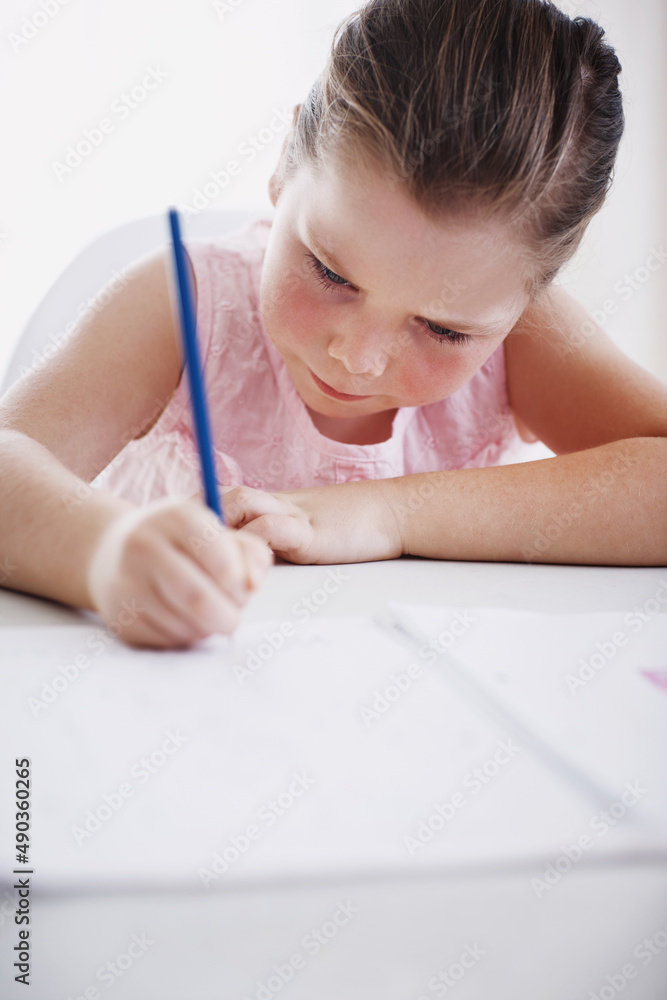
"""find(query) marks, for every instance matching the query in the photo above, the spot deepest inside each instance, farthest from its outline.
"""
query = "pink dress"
(264, 436)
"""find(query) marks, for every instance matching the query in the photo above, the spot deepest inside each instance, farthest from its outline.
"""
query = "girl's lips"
(333, 392)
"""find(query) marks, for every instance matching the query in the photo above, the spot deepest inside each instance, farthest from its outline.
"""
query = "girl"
(377, 356)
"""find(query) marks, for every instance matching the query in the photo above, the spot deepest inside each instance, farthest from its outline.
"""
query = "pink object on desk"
(658, 677)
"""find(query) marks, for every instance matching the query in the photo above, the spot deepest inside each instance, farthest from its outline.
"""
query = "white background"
(227, 70)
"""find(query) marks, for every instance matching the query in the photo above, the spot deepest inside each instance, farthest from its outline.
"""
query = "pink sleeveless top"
(264, 436)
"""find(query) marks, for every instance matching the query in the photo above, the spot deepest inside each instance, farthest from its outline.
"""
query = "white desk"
(480, 924)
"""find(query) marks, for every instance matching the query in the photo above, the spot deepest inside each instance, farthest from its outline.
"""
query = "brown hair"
(507, 106)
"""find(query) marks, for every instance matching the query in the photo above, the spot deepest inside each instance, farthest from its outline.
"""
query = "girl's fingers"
(243, 503)
(283, 533)
(147, 631)
(194, 573)
(191, 573)
(191, 593)
(179, 628)
(218, 553)
(257, 555)
(207, 545)
(232, 564)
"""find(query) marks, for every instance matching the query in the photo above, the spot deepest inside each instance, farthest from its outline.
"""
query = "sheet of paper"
(332, 751)
(580, 683)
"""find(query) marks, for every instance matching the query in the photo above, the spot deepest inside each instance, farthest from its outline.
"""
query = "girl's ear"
(276, 181)
(275, 185)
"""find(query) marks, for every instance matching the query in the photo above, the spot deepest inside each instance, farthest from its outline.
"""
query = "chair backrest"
(98, 264)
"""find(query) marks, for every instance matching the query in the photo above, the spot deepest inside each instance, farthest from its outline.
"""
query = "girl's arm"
(61, 426)
(602, 499)
(50, 522)
(62, 539)
(605, 506)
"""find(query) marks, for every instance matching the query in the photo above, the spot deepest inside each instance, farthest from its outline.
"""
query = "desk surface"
(465, 584)
(408, 933)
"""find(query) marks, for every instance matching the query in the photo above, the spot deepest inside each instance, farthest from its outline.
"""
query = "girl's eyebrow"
(483, 329)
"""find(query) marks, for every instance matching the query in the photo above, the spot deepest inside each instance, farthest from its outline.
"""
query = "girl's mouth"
(333, 392)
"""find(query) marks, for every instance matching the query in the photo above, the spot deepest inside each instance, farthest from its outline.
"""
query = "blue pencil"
(195, 374)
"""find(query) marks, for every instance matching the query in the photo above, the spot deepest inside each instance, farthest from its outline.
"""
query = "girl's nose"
(362, 352)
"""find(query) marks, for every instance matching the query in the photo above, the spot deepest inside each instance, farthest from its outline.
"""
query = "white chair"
(93, 268)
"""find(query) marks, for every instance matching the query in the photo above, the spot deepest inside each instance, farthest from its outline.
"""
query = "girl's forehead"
(363, 203)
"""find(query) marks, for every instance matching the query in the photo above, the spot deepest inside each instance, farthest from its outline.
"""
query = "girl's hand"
(170, 574)
(344, 523)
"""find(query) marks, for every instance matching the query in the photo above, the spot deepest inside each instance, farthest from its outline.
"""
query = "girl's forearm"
(604, 506)
(50, 522)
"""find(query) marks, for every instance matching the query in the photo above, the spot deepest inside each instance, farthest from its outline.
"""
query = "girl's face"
(364, 293)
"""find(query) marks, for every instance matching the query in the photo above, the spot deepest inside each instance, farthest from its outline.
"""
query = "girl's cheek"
(302, 318)
(434, 373)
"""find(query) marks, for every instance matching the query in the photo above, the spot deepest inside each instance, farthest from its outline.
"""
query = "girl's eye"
(327, 278)
(324, 274)
(442, 334)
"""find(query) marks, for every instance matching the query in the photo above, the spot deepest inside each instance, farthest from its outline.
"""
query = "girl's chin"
(337, 409)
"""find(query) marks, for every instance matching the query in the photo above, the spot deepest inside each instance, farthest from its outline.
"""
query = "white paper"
(236, 743)
(579, 682)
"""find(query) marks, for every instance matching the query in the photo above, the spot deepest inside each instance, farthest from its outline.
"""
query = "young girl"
(377, 356)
